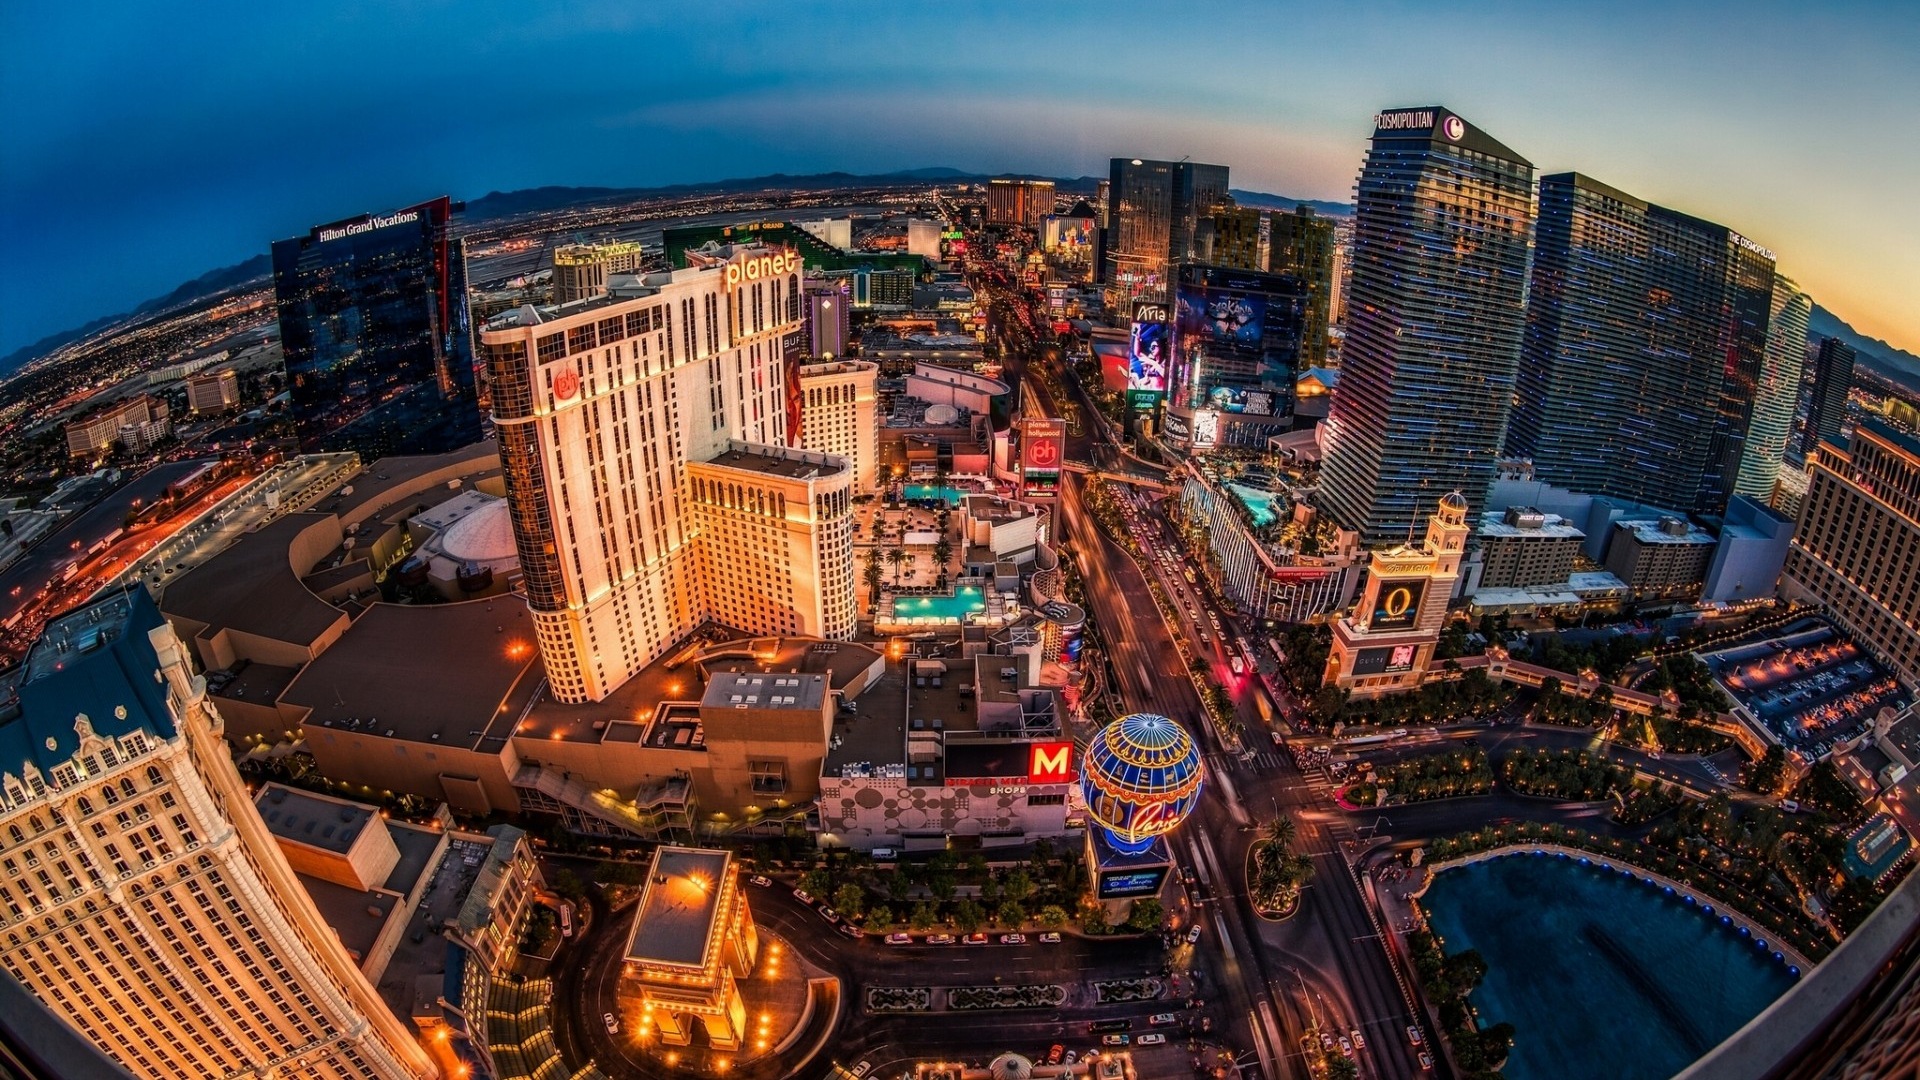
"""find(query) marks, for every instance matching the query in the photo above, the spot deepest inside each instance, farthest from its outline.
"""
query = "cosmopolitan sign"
(761, 266)
(1411, 120)
(367, 224)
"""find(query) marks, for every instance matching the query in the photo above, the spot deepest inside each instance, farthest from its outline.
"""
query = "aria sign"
(761, 266)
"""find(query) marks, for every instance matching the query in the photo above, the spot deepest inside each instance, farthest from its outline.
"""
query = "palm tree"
(942, 551)
(1280, 832)
(896, 556)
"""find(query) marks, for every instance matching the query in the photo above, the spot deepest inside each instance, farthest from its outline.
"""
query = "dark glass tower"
(1443, 219)
(1832, 378)
(1154, 215)
(373, 320)
(1301, 244)
(1645, 350)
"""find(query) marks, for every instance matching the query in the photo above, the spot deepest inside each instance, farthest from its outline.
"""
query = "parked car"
(1116, 1040)
(863, 1068)
(899, 939)
(1413, 1034)
(1154, 1039)
(613, 1025)
(761, 881)
(829, 914)
(975, 939)
(1162, 1020)
(1050, 938)
(849, 929)
(1326, 1040)
(1359, 1040)
(1055, 1053)
(802, 897)
(1346, 1046)
(1013, 939)
(1426, 1061)
(939, 939)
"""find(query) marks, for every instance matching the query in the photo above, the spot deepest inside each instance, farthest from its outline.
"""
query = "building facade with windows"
(580, 270)
(601, 407)
(145, 900)
(1301, 244)
(374, 324)
(1157, 212)
(1858, 542)
(1832, 380)
(1020, 203)
(838, 415)
(1443, 227)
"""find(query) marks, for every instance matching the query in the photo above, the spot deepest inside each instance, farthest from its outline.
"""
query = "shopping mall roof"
(254, 588)
(674, 920)
(448, 673)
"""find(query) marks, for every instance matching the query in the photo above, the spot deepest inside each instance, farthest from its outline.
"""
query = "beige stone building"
(145, 901)
(838, 415)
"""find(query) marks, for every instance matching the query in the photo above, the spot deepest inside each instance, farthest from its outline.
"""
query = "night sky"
(146, 144)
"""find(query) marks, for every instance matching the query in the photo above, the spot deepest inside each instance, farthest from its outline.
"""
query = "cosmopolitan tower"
(1442, 222)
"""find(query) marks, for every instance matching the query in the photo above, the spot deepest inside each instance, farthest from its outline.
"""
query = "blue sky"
(145, 144)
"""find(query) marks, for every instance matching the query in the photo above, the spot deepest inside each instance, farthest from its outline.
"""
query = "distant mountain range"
(1897, 364)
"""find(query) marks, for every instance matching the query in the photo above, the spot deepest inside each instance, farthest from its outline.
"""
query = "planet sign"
(1140, 777)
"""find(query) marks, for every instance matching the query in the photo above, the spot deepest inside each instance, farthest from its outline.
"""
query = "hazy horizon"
(147, 149)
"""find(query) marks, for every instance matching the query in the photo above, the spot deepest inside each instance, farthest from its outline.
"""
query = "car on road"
(1154, 1039)
(1162, 1019)
(1346, 1046)
(849, 929)
(1055, 1053)
(975, 939)
(829, 914)
(899, 939)
(1413, 1034)
(1115, 1040)
(1072, 1056)
(1013, 939)
(763, 882)
(1193, 934)
(802, 897)
(1326, 1040)
(613, 1025)
(1050, 938)
(863, 1068)
(1359, 1040)
(1426, 1061)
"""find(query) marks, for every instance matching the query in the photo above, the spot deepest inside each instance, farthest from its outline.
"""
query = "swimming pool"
(1603, 976)
(964, 601)
(1259, 503)
(951, 495)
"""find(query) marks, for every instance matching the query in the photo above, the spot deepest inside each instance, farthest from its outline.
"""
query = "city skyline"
(198, 173)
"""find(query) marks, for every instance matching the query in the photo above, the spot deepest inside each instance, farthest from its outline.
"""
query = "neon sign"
(761, 266)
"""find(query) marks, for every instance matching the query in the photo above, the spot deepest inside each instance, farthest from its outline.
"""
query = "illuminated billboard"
(1147, 357)
(1221, 317)
(1122, 883)
(1043, 449)
(1397, 607)
(1003, 763)
(1206, 429)
(1236, 339)
(1385, 660)
(1049, 763)
(1239, 399)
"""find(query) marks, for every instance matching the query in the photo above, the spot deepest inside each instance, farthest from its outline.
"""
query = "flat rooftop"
(253, 588)
(380, 485)
(765, 690)
(874, 733)
(1494, 524)
(675, 917)
(356, 915)
(314, 820)
(1650, 532)
(455, 674)
(770, 461)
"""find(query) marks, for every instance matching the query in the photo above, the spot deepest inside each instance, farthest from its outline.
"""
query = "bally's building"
(643, 436)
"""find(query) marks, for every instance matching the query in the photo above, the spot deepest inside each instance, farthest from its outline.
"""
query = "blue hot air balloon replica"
(1140, 777)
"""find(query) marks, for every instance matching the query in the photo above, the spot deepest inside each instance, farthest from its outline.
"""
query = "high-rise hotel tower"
(141, 896)
(1442, 223)
(643, 435)
(1646, 372)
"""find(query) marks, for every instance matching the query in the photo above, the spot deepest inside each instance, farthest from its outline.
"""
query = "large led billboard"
(1206, 429)
(1397, 607)
(1236, 342)
(1147, 358)
(1003, 763)
(1385, 660)
(1043, 449)
(1124, 882)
